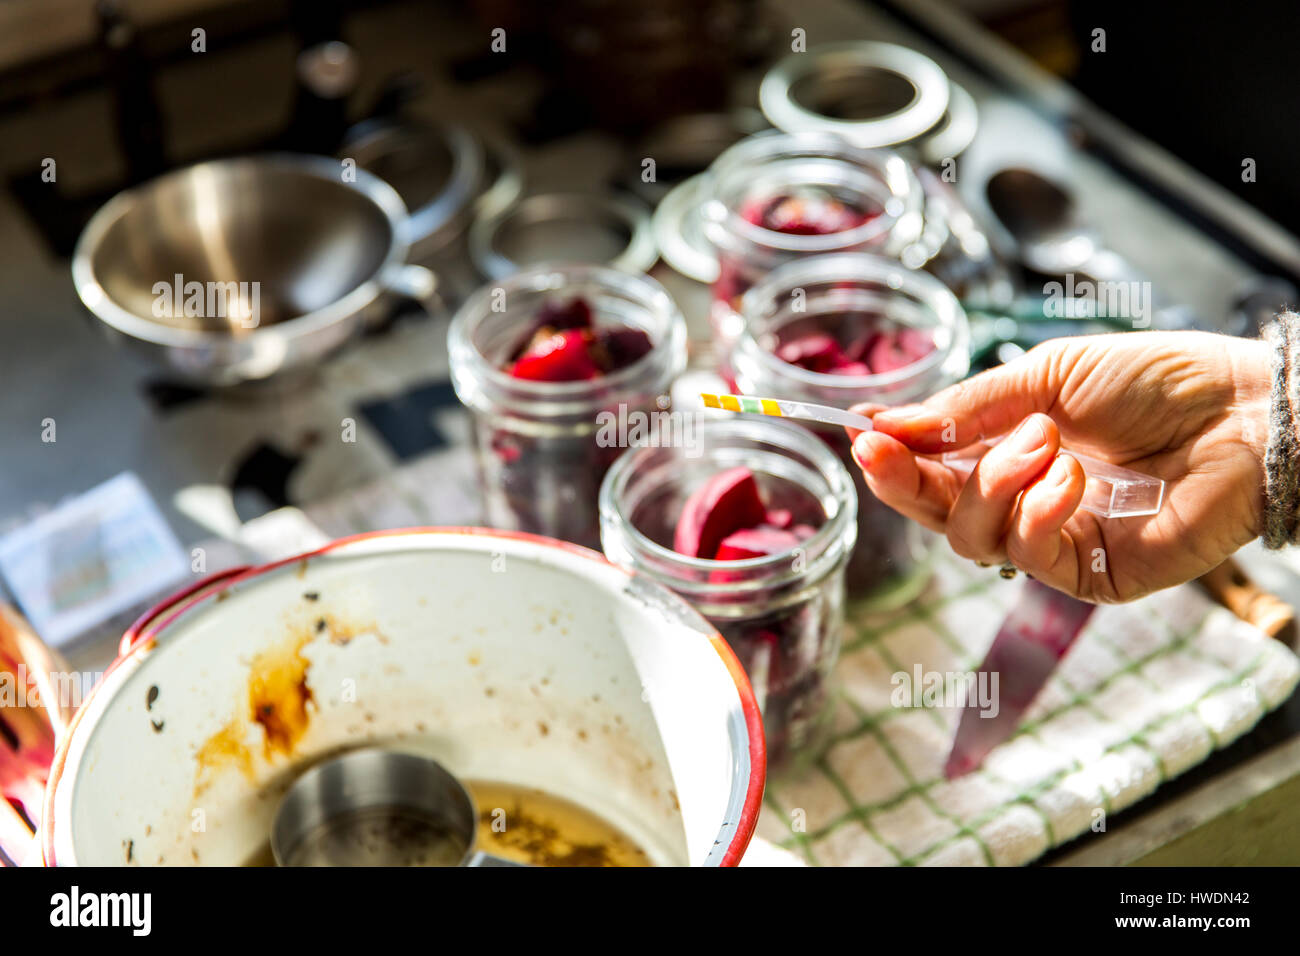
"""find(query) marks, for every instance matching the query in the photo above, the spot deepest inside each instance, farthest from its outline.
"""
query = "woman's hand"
(1188, 407)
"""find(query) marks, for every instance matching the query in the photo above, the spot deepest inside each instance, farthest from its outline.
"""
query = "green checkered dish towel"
(1148, 690)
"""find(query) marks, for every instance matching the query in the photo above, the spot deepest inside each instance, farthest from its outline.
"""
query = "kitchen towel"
(1149, 690)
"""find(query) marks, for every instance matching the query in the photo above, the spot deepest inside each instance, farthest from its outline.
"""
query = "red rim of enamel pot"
(146, 630)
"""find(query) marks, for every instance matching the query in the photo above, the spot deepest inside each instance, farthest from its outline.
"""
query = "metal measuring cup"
(376, 807)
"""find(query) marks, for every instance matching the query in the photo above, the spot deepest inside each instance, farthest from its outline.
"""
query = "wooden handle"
(1230, 586)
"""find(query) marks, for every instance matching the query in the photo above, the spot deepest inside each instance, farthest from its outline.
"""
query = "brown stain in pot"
(279, 696)
(342, 632)
(224, 748)
(279, 699)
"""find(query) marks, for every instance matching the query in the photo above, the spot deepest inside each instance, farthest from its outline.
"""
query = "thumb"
(983, 406)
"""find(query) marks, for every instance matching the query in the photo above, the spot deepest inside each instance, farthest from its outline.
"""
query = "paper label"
(90, 558)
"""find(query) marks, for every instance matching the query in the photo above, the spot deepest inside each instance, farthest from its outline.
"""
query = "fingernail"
(907, 413)
(1028, 437)
(1059, 474)
(862, 451)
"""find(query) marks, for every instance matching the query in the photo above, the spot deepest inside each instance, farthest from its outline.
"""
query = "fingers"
(1037, 540)
(1015, 505)
(867, 409)
(983, 406)
(918, 488)
(981, 516)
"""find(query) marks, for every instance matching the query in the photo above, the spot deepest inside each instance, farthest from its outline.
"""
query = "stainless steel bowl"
(240, 269)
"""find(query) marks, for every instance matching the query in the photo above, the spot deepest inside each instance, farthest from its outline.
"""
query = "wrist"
(1252, 372)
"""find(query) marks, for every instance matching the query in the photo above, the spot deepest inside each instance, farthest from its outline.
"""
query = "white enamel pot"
(506, 657)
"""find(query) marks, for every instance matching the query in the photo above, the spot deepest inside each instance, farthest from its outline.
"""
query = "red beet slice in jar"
(758, 542)
(557, 357)
(564, 346)
(810, 212)
(573, 314)
(873, 352)
(552, 317)
(817, 352)
(780, 517)
(898, 350)
(618, 348)
(761, 541)
(807, 212)
(727, 502)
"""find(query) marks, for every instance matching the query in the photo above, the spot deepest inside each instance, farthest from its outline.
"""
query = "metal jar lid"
(599, 228)
(954, 132)
(873, 94)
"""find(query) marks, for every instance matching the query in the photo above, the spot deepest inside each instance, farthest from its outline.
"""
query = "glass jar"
(543, 447)
(781, 613)
(845, 199)
(847, 297)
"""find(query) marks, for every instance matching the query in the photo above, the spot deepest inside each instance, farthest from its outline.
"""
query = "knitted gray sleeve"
(1282, 456)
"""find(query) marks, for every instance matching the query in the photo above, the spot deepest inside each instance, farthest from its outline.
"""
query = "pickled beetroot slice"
(757, 542)
(780, 518)
(760, 542)
(817, 352)
(809, 213)
(562, 357)
(554, 316)
(620, 348)
(890, 352)
(727, 502)
(873, 352)
(574, 314)
(860, 348)
(915, 343)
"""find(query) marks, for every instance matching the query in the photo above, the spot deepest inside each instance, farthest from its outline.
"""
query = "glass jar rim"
(821, 546)
(850, 267)
(642, 290)
(889, 167)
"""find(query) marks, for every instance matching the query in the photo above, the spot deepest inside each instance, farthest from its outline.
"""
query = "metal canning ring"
(954, 132)
(678, 225)
(536, 228)
(846, 71)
